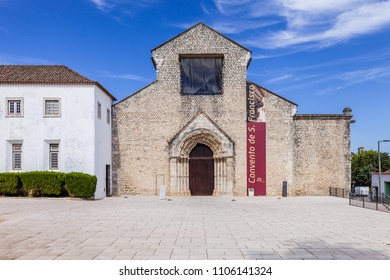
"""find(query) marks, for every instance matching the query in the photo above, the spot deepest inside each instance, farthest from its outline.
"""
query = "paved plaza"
(218, 228)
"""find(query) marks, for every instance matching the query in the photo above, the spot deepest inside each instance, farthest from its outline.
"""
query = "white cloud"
(319, 5)
(205, 9)
(360, 76)
(359, 21)
(229, 27)
(364, 19)
(102, 4)
(316, 23)
(131, 77)
(240, 26)
(16, 59)
(108, 5)
(228, 7)
(347, 79)
(279, 79)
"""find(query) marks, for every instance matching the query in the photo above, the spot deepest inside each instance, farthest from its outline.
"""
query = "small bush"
(43, 182)
(10, 183)
(80, 184)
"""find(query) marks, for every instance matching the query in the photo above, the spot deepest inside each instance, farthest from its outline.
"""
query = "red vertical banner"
(256, 154)
(256, 140)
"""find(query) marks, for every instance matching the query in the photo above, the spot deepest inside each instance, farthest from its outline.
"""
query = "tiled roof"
(44, 75)
(40, 74)
(387, 172)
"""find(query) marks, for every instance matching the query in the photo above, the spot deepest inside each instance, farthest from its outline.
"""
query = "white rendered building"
(384, 187)
(52, 118)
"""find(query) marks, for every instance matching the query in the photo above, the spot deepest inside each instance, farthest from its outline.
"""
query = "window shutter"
(54, 152)
(52, 107)
(16, 156)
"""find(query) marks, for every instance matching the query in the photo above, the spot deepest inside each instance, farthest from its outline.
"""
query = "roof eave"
(105, 91)
(92, 83)
(285, 99)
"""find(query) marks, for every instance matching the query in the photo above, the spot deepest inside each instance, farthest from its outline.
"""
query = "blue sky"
(323, 55)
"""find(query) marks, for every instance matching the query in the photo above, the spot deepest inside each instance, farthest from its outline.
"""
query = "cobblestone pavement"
(192, 228)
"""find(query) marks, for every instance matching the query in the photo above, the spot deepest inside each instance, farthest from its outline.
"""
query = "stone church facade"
(193, 137)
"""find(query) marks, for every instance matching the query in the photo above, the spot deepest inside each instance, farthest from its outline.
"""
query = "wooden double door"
(201, 170)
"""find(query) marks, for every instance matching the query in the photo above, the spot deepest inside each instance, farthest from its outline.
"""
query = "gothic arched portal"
(201, 140)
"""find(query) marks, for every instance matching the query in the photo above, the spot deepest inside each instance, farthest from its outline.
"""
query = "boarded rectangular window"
(52, 107)
(201, 76)
(53, 156)
(16, 156)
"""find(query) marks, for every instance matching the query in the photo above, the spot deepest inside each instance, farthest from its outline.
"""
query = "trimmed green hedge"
(10, 183)
(48, 183)
(80, 184)
(43, 182)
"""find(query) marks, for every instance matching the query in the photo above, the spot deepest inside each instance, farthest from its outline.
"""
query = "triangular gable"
(200, 25)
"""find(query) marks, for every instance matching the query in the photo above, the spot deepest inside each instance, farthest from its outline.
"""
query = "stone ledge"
(321, 117)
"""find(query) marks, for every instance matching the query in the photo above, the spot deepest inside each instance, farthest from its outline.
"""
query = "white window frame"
(17, 151)
(54, 151)
(45, 111)
(99, 110)
(14, 100)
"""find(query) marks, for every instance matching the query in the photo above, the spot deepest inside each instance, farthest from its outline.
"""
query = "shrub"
(10, 183)
(43, 182)
(80, 184)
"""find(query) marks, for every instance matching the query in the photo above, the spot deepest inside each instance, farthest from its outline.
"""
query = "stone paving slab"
(142, 228)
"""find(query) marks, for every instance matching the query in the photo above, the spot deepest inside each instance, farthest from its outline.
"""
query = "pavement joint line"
(191, 228)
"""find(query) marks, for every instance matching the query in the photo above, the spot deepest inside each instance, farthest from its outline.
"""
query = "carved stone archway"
(201, 130)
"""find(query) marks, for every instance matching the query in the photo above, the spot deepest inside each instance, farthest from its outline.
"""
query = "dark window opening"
(201, 76)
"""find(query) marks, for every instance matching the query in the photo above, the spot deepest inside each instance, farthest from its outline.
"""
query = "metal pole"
(376, 202)
(379, 164)
(349, 198)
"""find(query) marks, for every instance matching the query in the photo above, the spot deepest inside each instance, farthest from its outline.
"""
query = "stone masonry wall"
(310, 152)
(148, 120)
(280, 140)
(322, 156)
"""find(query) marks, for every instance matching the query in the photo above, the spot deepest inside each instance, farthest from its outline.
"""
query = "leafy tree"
(365, 163)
